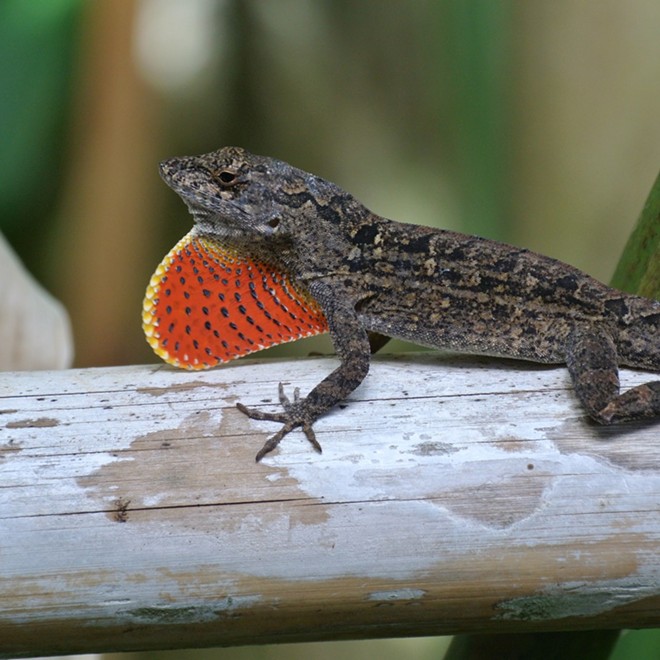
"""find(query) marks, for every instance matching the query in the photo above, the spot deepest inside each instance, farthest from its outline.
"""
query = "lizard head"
(235, 195)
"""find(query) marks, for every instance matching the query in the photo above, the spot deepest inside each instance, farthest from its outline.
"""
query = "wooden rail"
(454, 495)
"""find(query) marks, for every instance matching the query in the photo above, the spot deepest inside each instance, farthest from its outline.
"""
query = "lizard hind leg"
(591, 358)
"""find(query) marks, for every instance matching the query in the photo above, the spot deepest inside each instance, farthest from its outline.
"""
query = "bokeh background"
(529, 121)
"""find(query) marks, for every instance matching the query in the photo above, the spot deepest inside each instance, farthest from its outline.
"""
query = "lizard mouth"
(185, 176)
(232, 213)
(195, 184)
(191, 181)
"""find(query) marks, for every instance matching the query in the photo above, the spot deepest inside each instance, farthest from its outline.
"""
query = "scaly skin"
(436, 288)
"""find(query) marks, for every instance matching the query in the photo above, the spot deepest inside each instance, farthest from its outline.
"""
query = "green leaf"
(638, 270)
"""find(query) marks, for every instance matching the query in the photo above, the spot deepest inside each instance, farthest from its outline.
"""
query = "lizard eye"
(227, 178)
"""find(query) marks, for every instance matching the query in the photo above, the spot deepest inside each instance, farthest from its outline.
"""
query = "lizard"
(276, 254)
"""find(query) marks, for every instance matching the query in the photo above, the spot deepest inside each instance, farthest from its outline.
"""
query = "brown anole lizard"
(277, 253)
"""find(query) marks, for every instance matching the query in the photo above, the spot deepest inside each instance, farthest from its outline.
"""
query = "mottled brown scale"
(437, 288)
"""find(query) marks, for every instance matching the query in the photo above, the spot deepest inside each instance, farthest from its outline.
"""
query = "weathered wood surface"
(453, 495)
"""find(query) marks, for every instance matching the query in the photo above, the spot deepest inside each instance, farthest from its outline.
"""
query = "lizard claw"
(292, 417)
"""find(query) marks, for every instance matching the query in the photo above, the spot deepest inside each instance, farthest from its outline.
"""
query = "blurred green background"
(527, 121)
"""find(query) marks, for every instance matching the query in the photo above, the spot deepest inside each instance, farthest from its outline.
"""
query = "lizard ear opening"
(209, 303)
(273, 223)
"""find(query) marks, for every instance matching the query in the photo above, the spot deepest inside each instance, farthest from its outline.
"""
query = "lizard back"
(444, 289)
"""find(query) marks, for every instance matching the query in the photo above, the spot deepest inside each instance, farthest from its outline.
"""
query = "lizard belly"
(531, 339)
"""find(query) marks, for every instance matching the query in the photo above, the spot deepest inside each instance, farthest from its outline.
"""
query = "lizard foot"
(292, 417)
(638, 402)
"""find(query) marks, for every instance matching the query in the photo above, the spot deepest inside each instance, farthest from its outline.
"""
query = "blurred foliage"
(472, 116)
(37, 53)
(478, 41)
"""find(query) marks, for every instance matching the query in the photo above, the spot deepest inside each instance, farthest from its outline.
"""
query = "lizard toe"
(311, 436)
(254, 413)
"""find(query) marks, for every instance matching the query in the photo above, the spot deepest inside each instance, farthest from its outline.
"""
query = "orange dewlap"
(207, 304)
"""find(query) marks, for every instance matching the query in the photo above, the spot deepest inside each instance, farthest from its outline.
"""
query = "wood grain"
(453, 495)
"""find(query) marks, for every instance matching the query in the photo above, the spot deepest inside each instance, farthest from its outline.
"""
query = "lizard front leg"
(351, 343)
(591, 358)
